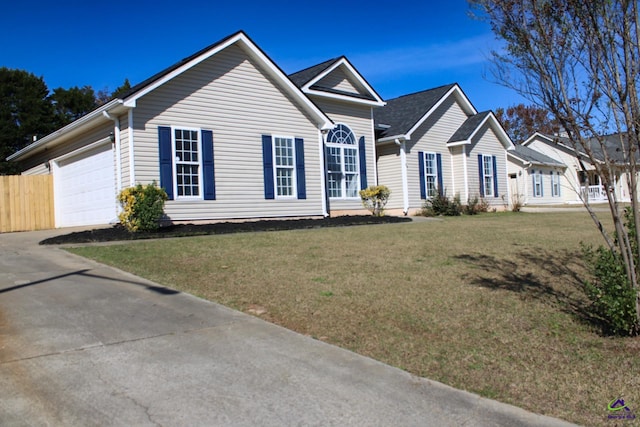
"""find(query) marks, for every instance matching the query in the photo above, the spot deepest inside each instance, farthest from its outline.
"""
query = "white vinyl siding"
(231, 95)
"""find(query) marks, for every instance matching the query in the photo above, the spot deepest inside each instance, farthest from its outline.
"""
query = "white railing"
(595, 192)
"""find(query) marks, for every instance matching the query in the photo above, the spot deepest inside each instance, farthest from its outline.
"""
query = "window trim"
(537, 184)
(434, 165)
(555, 184)
(292, 168)
(342, 146)
(488, 191)
(199, 163)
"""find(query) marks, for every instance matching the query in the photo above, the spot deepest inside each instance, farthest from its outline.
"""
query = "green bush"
(375, 198)
(142, 207)
(613, 300)
(440, 204)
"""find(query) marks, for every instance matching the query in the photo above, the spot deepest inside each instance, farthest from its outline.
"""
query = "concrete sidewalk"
(82, 344)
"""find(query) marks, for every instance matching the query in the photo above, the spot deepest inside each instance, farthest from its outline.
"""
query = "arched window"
(342, 163)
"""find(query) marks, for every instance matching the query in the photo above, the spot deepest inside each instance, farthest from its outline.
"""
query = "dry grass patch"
(490, 303)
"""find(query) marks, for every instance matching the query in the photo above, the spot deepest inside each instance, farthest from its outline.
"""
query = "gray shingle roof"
(465, 131)
(402, 113)
(302, 77)
(532, 156)
(611, 145)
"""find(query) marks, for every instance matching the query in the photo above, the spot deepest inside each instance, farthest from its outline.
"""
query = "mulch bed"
(117, 232)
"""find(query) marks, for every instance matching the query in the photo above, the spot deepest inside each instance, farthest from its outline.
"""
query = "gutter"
(116, 141)
(73, 126)
(403, 170)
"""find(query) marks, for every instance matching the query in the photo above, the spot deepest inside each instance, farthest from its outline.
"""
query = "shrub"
(142, 207)
(374, 198)
(476, 205)
(612, 298)
(440, 204)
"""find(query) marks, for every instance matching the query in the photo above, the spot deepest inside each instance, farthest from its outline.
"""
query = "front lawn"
(489, 303)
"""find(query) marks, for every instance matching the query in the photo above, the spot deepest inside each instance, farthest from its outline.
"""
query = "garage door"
(84, 188)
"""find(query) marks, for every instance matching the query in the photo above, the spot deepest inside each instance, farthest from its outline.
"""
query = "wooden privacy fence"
(26, 203)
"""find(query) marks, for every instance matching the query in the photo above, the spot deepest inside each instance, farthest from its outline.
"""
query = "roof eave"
(394, 138)
(83, 122)
(346, 98)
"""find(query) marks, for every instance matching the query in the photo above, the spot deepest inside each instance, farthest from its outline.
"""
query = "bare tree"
(580, 60)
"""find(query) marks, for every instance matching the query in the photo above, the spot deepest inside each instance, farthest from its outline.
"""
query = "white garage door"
(84, 188)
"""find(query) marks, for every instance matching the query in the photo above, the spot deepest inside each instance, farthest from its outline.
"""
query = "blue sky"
(400, 47)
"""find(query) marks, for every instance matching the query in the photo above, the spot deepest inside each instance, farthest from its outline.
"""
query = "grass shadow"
(536, 274)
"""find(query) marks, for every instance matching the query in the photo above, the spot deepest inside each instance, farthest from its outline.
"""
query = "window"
(537, 184)
(187, 162)
(343, 179)
(555, 184)
(488, 175)
(284, 166)
(430, 174)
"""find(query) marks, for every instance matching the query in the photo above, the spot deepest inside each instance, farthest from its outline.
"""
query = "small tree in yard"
(375, 198)
(580, 60)
(142, 207)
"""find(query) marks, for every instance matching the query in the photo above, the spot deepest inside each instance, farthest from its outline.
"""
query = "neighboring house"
(579, 175)
(434, 142)
(535, 178)
(229, 136)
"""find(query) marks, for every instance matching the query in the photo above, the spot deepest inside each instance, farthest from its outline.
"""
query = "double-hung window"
(537, 184)
(430, 174)
(187, 162)
(488, 175)
(343, 178)
(284, 155)
(555, 184)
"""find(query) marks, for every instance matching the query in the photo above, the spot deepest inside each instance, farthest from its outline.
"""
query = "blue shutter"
(495, 176)
(166, 160)
(541, 185)
(439, 166)
(267, 162)
(481, 174)
(208, 174)
(423, 188)
(300, 180)
(533, 182)
(363, 163)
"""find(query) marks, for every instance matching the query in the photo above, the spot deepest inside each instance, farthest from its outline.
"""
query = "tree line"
(29, 110)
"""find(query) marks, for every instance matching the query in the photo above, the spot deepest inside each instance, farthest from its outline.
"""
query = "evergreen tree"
(25, 112)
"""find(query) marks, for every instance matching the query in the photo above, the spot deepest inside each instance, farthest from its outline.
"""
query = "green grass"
(489, 303)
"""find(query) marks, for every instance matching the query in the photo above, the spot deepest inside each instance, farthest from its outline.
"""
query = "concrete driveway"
(82, 344)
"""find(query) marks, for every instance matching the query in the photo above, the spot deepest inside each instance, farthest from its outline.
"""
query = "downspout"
(132, 163)
(403, 170)
(116, 135)
(466, 173)
(323, 180)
